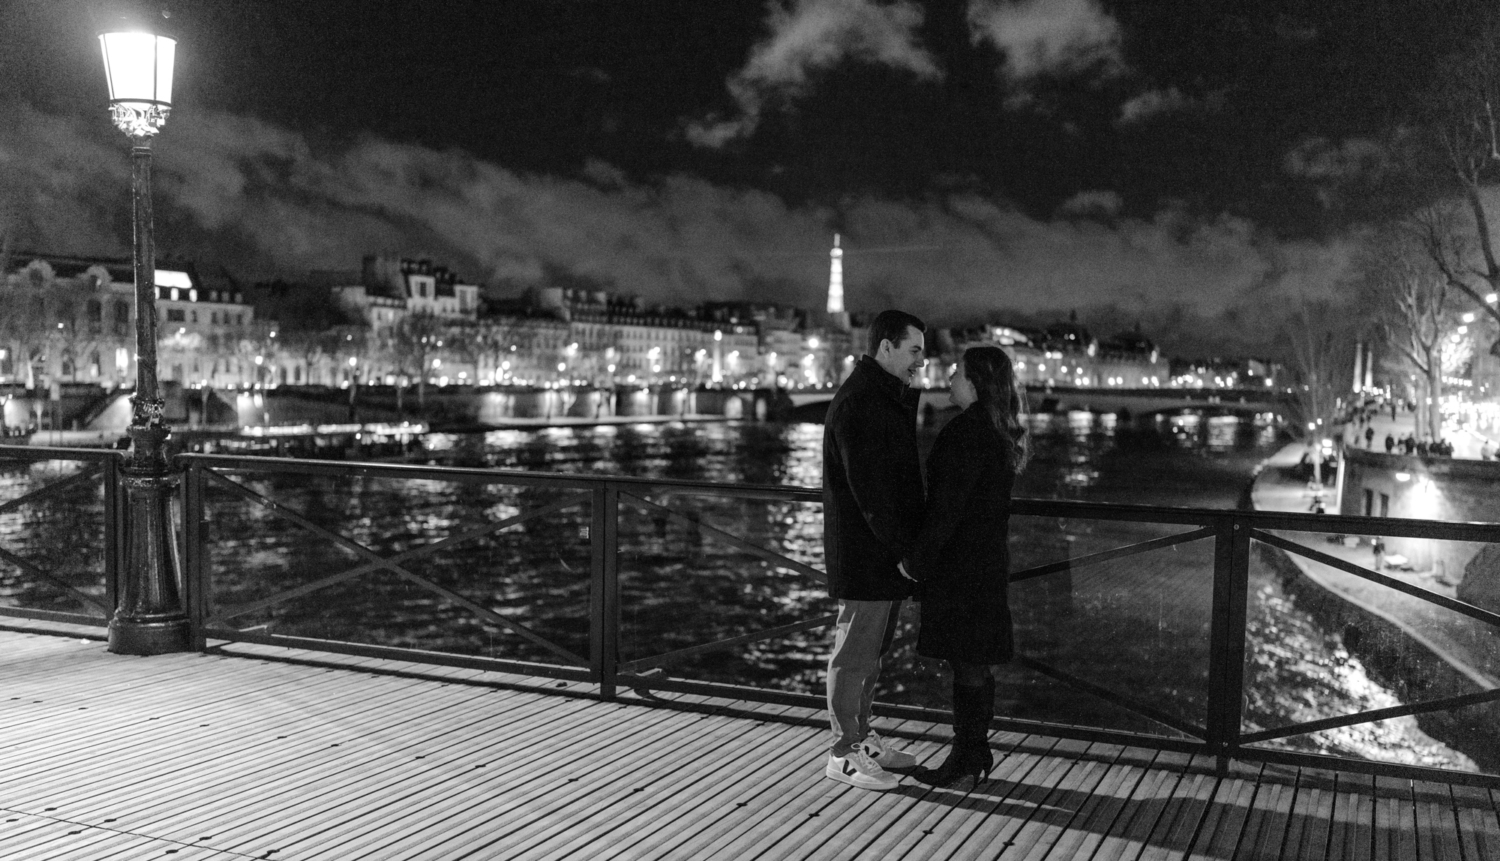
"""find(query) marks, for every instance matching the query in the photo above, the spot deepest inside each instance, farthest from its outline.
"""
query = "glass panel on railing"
(1126, 639)
(1325, 642)
(459, 573)
(698, 568)
(52, 544)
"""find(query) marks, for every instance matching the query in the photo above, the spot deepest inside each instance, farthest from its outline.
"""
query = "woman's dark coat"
(872, 485)
(962, 557)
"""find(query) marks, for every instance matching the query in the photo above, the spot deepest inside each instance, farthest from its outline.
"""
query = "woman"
(961, 559)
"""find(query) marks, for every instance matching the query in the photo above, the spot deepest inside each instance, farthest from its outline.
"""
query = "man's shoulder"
(858, 398)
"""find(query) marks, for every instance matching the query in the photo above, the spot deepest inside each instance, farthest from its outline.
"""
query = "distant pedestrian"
(1379, 548)
(1390, 443)
(1369, 437)
(1423, 447)
(962, 557)
(1487, 450)
(872, 512)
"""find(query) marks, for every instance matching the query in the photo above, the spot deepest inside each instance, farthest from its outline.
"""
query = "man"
(872, 512)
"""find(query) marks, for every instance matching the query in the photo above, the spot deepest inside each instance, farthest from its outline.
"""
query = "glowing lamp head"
(138, 68)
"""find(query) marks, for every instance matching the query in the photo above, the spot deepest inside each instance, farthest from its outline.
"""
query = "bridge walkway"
(278, 754)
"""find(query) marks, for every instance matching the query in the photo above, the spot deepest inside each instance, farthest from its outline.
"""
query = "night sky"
(1189, 165)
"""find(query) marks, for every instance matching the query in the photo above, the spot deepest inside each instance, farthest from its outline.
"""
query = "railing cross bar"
(733, 540)
(1360, 571)
(672, 657)
(377, 561)
(1115, 553)
(50, 490)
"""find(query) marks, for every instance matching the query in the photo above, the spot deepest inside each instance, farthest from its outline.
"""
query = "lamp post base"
(150, 618)
(133, 637)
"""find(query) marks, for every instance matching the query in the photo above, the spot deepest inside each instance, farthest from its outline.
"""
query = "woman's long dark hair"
(994, 379)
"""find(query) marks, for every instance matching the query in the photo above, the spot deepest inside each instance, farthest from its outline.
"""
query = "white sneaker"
(857, 769)
(885, 753)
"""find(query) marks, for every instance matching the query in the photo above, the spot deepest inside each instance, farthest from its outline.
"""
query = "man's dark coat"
(872, 484)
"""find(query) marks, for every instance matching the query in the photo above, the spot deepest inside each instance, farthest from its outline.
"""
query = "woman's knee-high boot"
(980, 759)
(969, 756)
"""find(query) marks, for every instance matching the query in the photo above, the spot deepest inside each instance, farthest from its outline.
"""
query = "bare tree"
(504, 344)
(1461, 107)
(413, 343)
(306, 350)
(1321, 346)
(1418, 309)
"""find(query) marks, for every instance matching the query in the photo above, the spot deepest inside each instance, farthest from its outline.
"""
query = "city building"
(388, 288)
(66, 319)
(207, 334)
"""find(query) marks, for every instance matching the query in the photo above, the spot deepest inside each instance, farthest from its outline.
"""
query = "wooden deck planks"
(1267, 822)
(1097, 816)
(106, 756)
(350, 804)
(1351, 832)
(590, 803)
(846, 812)
(686, 810)
(1061, 808)
(1394, 824)
(1479, 830)
(163, 753)
(986, 818)
(1140, 812)
(293, 763)
(565, 768)
(1308, 820)
(1184, 813)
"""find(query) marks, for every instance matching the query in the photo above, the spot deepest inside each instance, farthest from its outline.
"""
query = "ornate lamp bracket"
(139, 121)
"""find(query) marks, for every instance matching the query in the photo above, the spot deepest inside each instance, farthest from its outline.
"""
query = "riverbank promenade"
(1462, 643)
(271, 753)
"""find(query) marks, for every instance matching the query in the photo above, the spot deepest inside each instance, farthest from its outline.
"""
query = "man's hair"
(891, 326)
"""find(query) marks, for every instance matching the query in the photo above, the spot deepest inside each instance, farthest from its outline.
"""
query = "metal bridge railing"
(578, 577)
(61, 533)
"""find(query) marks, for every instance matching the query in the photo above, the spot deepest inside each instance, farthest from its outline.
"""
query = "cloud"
(262, 201)
(1333, 168)
(1323, 160)
(1153, 103)
(62, 178)
(807, 36)
(1091, 204)
(1040, 37)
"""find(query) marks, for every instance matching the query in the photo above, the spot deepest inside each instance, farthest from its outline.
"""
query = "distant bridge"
(1061, 399)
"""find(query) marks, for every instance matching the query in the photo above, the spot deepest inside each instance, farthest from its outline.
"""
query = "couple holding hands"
(885, 539)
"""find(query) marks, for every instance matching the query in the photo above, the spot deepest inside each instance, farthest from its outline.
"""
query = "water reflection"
(53, 547)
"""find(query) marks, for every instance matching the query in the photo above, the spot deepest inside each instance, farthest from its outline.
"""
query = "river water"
(1136, 628)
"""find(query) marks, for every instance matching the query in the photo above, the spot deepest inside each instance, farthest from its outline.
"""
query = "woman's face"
(960, 390)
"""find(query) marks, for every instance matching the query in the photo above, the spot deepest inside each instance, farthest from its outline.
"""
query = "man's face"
(903, 360)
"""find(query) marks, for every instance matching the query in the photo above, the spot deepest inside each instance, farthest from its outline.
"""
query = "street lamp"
(353, 387)
(150, 618)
